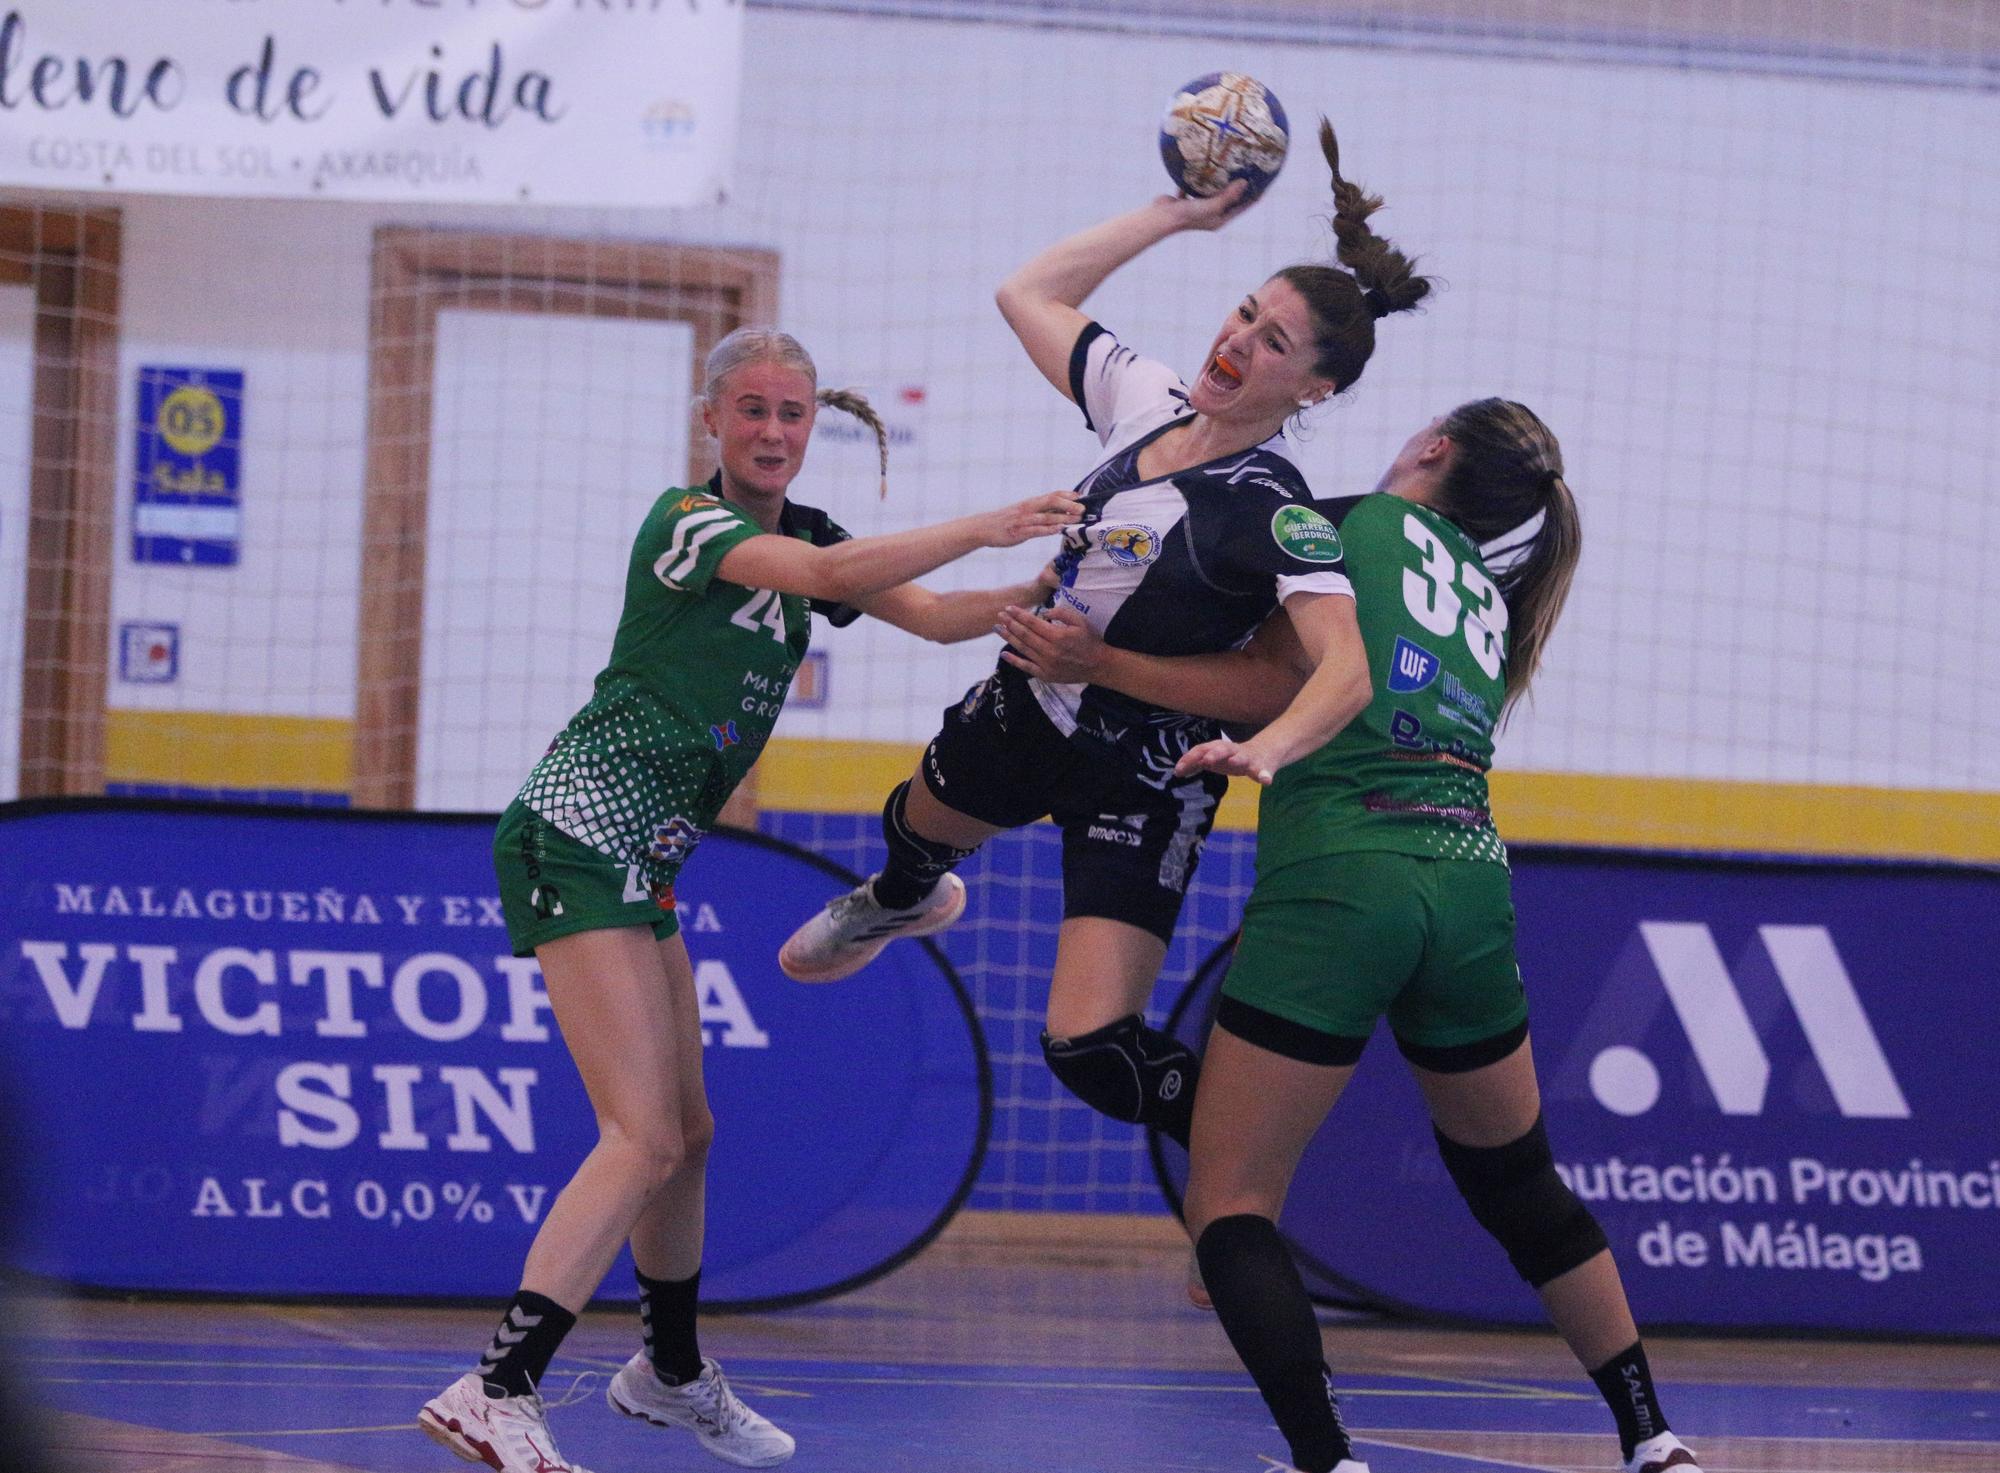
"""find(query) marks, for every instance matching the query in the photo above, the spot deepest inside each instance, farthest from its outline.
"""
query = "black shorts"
(1129, 849)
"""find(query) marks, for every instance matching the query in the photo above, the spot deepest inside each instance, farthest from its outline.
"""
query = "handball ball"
(1221, 127)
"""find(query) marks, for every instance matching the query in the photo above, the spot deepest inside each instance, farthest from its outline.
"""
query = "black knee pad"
(1129, 1072)
(1515, 1193)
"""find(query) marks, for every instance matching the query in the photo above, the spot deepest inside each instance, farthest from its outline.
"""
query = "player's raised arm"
(1040, 300)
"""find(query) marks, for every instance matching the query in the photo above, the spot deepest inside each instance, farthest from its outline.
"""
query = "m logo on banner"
(1725, 1041)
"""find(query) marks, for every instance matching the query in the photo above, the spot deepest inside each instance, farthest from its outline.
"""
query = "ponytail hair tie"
(1378, 302)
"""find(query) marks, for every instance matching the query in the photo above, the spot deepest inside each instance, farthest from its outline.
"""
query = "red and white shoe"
(509, 1434)
(1658, 1454)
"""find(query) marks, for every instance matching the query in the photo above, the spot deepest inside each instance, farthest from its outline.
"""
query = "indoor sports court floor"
(991, 1353)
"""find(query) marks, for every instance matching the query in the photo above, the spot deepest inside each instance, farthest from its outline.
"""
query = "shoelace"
(853, 901)
(578, 1389)
(717, 1402)
(582, 1386)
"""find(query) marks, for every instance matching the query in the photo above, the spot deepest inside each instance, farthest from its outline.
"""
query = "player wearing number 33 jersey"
(1382, 891)
(1407, 775)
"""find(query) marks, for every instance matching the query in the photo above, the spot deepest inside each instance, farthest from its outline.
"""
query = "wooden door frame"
(70, 257)
(416, 274)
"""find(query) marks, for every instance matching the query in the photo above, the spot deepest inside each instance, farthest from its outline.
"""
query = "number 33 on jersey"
(1408, 774)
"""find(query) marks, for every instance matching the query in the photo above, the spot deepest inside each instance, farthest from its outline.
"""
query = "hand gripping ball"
(1221, 127)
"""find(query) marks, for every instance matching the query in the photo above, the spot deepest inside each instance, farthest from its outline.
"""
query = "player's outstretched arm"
(849, 571)
(1040, 300)
(1337, 691)
(948, 618)
(1253, 684)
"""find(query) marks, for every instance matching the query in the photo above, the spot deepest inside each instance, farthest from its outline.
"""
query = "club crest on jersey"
(1411, 667)
(1131, 546)
(725, 736)
(1305, 534)
(675, 839)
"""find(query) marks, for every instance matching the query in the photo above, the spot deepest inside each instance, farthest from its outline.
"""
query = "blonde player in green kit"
(1382, 890)
(721, 587)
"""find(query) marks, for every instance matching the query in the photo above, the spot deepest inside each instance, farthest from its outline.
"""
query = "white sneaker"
(507, 1433)
(706, 1407)
(1657, 1454)
(852, 930)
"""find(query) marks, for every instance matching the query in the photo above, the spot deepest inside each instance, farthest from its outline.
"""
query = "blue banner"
(275, 1052)
(187, 502)
(1770, 1080)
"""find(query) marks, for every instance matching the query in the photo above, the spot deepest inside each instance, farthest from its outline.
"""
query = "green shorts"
(1331, 944)
(552, 885)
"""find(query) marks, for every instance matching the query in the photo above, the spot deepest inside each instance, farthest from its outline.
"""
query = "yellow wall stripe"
(1540, 807)
(218, 749)
(1777, 818)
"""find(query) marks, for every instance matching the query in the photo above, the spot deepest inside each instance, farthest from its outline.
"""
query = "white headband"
(1511, 548)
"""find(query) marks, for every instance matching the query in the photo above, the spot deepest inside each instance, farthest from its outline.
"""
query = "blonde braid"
(851, 401)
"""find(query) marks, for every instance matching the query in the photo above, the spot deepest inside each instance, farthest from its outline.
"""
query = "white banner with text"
(615, 102)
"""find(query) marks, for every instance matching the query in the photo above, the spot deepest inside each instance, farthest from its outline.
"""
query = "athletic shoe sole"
(449, 1434)
(867, 951)
(620, 1406)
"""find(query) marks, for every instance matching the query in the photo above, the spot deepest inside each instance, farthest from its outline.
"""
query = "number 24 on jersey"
(763, 614)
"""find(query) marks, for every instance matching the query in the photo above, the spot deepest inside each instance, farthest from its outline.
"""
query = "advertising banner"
(486, 101)
(1771, 1081)
(187, 477)
(290, 1053)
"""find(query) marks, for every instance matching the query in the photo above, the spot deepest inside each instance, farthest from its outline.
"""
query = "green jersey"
(698, 673)
(1408, 775)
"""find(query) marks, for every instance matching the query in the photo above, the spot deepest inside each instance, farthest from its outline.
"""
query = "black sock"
(1626, 1382)
(1262, 1304)
(525, 1343)
(915, 864)
(666, 1320)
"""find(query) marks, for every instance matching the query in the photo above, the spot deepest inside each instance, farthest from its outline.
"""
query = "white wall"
(1759, 311)
(550, 437)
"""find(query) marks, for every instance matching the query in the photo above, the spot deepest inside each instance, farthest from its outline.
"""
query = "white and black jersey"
(1185, 564)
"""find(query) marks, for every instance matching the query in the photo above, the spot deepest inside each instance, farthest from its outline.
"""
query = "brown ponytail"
(1379, 278)
(850, 401)
(1506, 474)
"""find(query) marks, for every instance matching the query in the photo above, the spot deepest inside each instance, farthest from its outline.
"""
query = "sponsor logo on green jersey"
(1305, 534)
(1411, 666)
